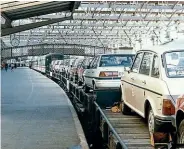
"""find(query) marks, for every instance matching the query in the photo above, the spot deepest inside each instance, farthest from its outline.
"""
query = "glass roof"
(106, 24)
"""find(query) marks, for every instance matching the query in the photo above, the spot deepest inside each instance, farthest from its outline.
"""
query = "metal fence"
(41, 49)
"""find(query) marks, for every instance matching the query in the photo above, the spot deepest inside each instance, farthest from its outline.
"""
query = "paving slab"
(36, 113)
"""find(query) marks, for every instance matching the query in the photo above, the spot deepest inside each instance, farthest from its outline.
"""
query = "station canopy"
(110, 24)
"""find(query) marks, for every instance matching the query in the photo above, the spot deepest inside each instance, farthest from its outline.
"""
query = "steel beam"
(127, 18)
(41, 49)
(69, 45)
(135, 6)
(7, 21)
(100, 23)
(18, 5)
(25, 27)
(130, 11)
(75, 6)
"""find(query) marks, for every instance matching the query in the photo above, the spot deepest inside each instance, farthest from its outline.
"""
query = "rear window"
(174, 63)
(116, 60)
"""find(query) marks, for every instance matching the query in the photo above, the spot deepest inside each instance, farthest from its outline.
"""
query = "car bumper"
(108, 83)
(165, 125)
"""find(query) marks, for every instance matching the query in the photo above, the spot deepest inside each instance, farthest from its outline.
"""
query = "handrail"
(110, 126)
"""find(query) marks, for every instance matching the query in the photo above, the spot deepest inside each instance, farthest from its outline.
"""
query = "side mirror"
(87, 67)
(70, 65)
(127, 69)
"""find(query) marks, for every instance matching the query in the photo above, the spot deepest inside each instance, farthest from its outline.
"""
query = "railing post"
(94, 51)
(11, 52)
(53, 48)
(32, 50)
(63, 49)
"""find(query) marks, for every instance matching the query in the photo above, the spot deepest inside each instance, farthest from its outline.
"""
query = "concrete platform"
(37, 114)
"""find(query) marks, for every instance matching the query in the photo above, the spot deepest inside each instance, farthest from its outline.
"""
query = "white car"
(153, 83)
(67, 66)
(73, 70)
(57, 65)
(61, 66)
(52, 65)
(105, 71)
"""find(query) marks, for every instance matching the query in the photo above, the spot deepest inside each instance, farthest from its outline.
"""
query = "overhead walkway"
(36, 113)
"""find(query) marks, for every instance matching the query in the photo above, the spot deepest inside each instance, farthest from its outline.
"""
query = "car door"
(94, 70)
(155, 84)
(87, 73)
(141, 82)
(130, 77)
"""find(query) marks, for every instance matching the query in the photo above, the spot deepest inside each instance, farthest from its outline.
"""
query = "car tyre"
(180, 135)
(151, 121)
(125, 109)
(80, 83)
(76, 78)
(94, 86)
(86, 89)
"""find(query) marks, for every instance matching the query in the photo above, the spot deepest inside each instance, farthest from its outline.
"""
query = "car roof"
(173, 45)
(115, 54)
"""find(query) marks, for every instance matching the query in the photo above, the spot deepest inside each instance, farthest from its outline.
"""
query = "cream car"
(153, 83)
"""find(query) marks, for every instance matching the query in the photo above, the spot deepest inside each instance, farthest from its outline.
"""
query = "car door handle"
(132, 78)
(92, 71)
(143, 81)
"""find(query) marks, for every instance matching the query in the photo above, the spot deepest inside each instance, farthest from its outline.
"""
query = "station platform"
(37, 114)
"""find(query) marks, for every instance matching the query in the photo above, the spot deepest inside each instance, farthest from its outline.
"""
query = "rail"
(111, 127)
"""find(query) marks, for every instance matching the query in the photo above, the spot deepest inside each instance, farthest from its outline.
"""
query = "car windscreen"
(116, 60)
(174, 63)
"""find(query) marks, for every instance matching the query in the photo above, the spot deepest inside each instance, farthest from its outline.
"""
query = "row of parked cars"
(72, 68)
(150, 82)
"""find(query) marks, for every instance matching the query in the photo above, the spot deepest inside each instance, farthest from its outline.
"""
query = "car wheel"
(82, 79)
(151, 121)
(76, 78)
(94, 86)
(180, 136)
(125, 109)
(86, 89)
(80, 83)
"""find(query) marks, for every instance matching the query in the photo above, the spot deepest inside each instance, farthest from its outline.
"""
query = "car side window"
(146, 63)
(91, 64)
(95, 62)
(137, 62)
(155, 67)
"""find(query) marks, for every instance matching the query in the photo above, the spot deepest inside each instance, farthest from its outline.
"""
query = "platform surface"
(36, 113)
